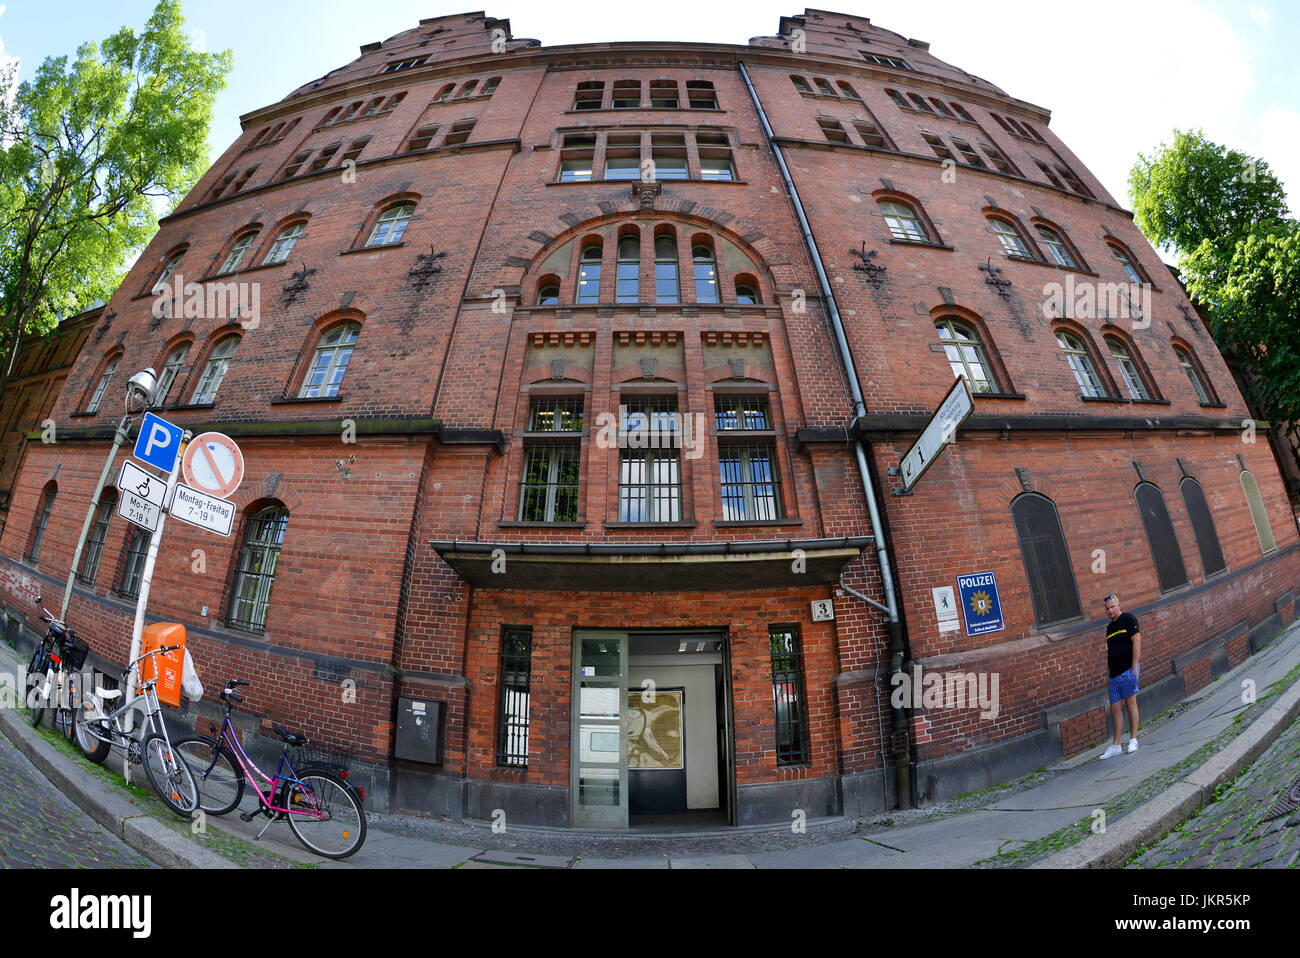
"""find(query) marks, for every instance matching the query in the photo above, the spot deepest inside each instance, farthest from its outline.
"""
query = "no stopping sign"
(213, 464)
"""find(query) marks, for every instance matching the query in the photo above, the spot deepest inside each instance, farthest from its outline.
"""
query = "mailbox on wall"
(419, 730)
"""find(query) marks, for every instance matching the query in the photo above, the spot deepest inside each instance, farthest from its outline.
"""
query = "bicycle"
(323, 810)
(144, 740)
(52, 674)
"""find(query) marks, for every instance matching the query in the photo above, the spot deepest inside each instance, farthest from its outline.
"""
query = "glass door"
(598, 781)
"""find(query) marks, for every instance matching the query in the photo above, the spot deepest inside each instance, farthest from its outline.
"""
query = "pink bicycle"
(323, 810)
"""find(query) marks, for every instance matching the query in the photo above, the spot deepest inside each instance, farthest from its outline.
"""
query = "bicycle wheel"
(170, 776)
(91, 735)
(216, 773)
(37, 697)
(33, 677)
(325, 814)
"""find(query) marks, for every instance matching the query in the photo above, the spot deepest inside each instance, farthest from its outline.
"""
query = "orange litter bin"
(167, 668)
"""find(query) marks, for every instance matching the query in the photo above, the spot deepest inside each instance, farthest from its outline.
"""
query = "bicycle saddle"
(291, 737)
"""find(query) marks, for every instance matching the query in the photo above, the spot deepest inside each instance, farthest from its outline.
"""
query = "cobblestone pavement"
(1230, 833)
(40, 828)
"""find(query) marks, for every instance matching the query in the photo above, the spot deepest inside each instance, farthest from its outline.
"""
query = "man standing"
(1123, 654)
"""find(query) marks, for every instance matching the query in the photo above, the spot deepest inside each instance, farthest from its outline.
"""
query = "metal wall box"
(419, 731)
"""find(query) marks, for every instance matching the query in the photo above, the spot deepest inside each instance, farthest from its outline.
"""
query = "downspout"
(902, 753)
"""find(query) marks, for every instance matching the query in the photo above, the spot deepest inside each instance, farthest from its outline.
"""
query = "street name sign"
(943, 425)
(198, 508)
(141, 498)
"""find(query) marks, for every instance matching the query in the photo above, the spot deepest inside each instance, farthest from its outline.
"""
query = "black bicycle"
(51, 681)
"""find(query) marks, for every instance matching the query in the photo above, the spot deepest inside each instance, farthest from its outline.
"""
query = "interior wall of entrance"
(699, 717)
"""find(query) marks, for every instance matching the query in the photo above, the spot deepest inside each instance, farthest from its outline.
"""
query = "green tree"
(86, 150)
(1225, 215)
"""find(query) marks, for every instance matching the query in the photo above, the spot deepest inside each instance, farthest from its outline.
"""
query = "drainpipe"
(902, 754)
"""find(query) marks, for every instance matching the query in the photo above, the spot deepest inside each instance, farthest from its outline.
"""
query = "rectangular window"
(650, 482)
(590, 95)
(701, 95)
(132, 571)
(404, 64)
(750, 490)
(576, 158)
(940, 148)
(715, 157)
(885, 61)
(550, 482)
(355, 150)
(668, 150)
(295, 163)
(999, 159)
(512, 716)
(459, 133)
(422, 137)
(871, 135)
(1070, 177)
(1051, 176)
(623, 157)
(663, 94)
(832, 130)
(788, 695)
(627, 95)
(969, 154)
(94, 547)
(324, 156)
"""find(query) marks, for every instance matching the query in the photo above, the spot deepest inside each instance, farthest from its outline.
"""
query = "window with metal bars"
(1052, 586)
(552, 465)
(750, 489)
(1207, 537)
(42, 520)
(743, 412)
(133, 566)
(788, 695)
(650, 480)
(255, 574)
(94, 547)
(512, 714)
(1159, 527)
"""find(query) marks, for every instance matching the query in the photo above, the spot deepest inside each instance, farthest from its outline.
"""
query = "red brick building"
(545, 364)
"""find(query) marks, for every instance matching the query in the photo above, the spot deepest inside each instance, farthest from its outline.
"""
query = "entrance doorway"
(651, 743)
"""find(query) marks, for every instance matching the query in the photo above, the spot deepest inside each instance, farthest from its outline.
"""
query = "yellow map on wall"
(654, 730)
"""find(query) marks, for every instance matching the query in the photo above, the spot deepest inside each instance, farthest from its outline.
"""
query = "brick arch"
(1011, 490)
(274, 486)
(595, 217)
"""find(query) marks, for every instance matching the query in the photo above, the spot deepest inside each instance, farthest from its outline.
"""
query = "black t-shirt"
(1119, 643)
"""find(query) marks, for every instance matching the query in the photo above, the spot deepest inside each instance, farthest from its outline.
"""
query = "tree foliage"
(86, 149)
(1225, 215)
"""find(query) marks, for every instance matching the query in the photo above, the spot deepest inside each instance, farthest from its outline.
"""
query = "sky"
(1118, 75)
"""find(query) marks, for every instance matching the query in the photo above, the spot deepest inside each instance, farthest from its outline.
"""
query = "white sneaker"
(1132, 745)
(1111, 752)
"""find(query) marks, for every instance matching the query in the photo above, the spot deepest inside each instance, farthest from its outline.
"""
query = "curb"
(1152, 820)
(148, 836)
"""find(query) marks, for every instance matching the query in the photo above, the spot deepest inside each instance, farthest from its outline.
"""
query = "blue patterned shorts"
(1123, 687)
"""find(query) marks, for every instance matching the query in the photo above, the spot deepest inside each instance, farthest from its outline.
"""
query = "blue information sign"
(159, 443)
(980, 603)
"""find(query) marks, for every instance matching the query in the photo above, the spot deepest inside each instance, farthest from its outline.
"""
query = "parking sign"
(159, 443)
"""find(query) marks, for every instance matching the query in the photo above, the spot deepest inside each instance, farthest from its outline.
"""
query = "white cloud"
(1260, 15)
(1275, 139)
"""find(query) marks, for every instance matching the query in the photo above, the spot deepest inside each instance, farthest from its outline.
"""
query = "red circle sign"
(213, 464)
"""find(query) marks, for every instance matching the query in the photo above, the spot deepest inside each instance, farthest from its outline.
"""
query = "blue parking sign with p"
(159, 443)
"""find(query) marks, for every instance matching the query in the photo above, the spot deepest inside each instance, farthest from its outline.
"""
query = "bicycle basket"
(316, 756)
(74, 653)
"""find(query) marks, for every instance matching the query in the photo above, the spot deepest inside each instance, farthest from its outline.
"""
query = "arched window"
(255, 574)
(1057, 248)
(41, 521)
(966, 355)
(490, 87)
(1012, 242)
(904, 223)
(133, 564)
(848, 91)
(1085, 373)
(666, 288)
(1129, 369)
(445, 93)
(1165, 550)
(215, 371)
(330, 361)
(898, 99)
(628, 270)
(589, 273)
(747, 293)
(283, 245)
(391, 225)
(1193, 375)
(706, 273)
(1207, 537)
(548, 291)
(105, 378)
(1126, 261)
(800, 84)
(1263, 528)
(94, 546)
(167, 270)
(1052, 586)
(823, 86)
(237, 253)
(175, 359)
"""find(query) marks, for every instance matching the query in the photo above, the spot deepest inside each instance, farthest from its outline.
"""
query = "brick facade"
(423, 455)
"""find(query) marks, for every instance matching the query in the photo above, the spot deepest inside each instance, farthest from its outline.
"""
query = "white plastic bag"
(190, 683)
